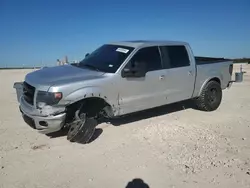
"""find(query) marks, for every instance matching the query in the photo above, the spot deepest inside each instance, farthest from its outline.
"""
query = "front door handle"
(190, 73)
(162, 77)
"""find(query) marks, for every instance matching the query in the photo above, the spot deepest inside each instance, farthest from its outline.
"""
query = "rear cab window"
(175, 56)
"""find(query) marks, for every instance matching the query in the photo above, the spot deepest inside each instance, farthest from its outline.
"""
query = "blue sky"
(35, 32)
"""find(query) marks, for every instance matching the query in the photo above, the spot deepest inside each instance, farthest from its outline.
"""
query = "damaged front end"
(39, 110)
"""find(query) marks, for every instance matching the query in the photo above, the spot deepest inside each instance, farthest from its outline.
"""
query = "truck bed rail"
(209, 60)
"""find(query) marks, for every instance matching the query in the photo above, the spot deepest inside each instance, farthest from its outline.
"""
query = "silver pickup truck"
(120, 78)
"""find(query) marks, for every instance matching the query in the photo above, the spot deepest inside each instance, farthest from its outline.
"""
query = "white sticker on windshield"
(123, 50)
(111, 65)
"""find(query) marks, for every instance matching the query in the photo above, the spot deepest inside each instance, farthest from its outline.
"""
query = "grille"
(28, 93)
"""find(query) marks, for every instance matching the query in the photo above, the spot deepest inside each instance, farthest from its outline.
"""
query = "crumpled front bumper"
(44, 124)
(47, 120)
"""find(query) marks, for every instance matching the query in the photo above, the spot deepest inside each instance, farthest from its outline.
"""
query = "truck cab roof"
(145, 43)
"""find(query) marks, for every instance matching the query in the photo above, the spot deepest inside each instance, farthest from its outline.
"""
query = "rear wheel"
(210, 98)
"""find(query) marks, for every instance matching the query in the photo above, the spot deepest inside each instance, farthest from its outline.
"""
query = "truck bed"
(209, 68)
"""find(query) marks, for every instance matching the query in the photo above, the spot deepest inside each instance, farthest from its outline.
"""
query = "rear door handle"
(162, 77)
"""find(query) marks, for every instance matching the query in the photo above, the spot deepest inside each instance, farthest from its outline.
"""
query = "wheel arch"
(92, 105)
(216, 79)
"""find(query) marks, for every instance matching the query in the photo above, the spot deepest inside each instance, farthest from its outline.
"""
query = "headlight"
(48, 98)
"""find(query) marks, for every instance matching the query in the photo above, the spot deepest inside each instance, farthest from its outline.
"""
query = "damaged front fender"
(109, 96)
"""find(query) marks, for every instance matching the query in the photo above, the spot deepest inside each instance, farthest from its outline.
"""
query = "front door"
(136, 94)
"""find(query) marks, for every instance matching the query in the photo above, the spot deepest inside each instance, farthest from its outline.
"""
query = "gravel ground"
(173, 146)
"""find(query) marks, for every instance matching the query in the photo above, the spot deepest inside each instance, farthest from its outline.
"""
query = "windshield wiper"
(91, 67)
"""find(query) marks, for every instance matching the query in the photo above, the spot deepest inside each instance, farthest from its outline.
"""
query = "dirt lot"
(165, 147)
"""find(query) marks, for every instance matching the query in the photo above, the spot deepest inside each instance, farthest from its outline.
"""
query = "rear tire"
(210, 97)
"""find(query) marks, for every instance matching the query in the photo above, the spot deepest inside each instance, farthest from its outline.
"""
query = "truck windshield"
(107, 58)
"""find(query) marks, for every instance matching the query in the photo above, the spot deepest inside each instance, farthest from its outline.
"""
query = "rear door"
(180, 73)
(142, 93)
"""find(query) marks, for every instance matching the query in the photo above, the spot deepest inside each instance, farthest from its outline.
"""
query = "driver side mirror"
(134, 70)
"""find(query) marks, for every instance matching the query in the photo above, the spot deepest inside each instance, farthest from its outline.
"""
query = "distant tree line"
(242, 60)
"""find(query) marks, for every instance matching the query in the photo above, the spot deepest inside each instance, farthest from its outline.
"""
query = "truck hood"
(46, 77)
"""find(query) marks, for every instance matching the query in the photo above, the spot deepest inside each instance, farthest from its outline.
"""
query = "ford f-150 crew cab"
(120, 78)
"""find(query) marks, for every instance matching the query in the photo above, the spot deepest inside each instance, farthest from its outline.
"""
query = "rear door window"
(175, 56)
